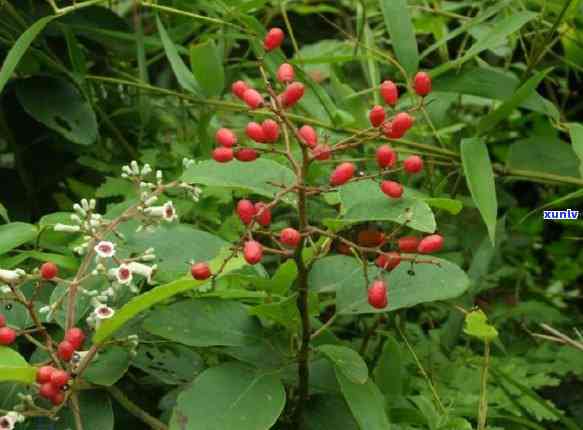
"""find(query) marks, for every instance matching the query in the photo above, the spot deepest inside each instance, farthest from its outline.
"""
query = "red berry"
(322, 152)
(48, 391)
(285, 73)
(2, 320)
(376, 116)
(386, 156)
(413, 164)
(49, 270)
(430, 244)
(388, 261)
(408, 244)
(290, 237)
(238, 88)
(401, 124)
(57, 399)
(292, 94)
(252, 98)
(270, 130)
(246, 211)
(342, 174)
(273, 39)
(308, 135)
(255, 132)
(7, 336)
(389, 92)
(370, 238)
(222, 154)
(43, 374)
(246, 154)
(200, 271)
(59, 378)
(75, 337)
(377, 295)
(422, 84)
(262, 214)
(253, 252)
(225, 137)
(392, 189)
(65, 350)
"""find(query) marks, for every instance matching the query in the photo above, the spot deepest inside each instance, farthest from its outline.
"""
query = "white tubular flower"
(103, 312)
(18, 417)
(65, 228)
(143, 270)
(123, 274)
(7, 422)
(11, 276)
(166, 212)
(105, 249)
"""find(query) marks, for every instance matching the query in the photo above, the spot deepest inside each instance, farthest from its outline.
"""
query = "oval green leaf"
(347, 361)
(14, 368)
(402, 32)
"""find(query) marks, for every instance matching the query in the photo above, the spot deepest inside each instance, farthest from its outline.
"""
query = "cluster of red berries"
(53, 384)
(73, 341)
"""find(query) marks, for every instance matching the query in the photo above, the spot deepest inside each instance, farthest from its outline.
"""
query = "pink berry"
(386, 156)
(308, 135)
(292, 94)
(200, 271)
(273, 39)
(48, 390)
(388, 261)
(322, 152)
(389, 92)
(430, 244)
(285, 73)
(413, 164)
(2, 320)
(262, 214)
(401, 124)
(392, 189)
(43, 374)
(422, 84)
(57, 399)
(255, 132)
(246, 211)
(225, 137)
(7, 336)
(290, 237)
(65, 350)
(253, 252)
(59, 378)
(252, 98)
(377, 295)
(222, 154)
(408, 244)
(238, 89)
(246, 154)
(75, 337)
(342, 174)
(49, 270)
(270, 130)
(376, 116)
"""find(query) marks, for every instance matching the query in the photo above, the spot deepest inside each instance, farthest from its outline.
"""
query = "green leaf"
(96, 412)
(256, 176)
(480, 180)
(365, 401)
(171, 363)
(327, 411)
(156, 295)
(477, 325)
(14, 368)
(57, 104)
(347, 361)
(452, 206)
(184, 76)
(4, 213)
(345, 276)
(400, 28)
(19, 49)
(493, 118)
(229, 396)
(389, 374)
(205, 322)
(15, 234)
(576, 134)
(364, 201)
(109, 366)
(205, 60)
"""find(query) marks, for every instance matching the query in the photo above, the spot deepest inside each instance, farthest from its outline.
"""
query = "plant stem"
(483, 411)
(135, 410)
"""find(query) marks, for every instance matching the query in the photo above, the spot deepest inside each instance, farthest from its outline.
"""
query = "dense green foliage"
(87, 87)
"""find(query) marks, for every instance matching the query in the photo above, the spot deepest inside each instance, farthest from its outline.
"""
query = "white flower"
(105, 249)
(166, 212)
(7, 422)
(11, 276)
(5, 289)
(103, 312)
(143, 270)
(123, 274)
